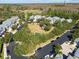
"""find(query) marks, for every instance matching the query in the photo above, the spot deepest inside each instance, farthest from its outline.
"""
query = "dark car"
(75, 26)
(70, 37)
(57, 37)
(39, 48)
(20, 27)
(8, 51)
(71, 31)
(52, 41)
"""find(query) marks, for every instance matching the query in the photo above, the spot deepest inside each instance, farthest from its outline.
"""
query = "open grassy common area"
(32, 35)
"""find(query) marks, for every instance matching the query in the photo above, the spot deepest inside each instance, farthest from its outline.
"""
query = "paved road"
(12, 54)
(11, 47)
(62, 39)
(48, 48)
(39, 54)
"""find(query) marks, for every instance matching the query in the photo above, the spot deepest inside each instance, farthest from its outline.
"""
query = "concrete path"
(5, 50)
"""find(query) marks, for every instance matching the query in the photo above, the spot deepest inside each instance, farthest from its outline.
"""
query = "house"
(37, 17)
(44, 17)
(6, 25)
(77, 41)
(77, 53)
(69, 20)
(53, 19)
(47, 57)
(70, 57)
(68, 48)
(62, 19)
(59, 56)
(56, 18)
(31, 17)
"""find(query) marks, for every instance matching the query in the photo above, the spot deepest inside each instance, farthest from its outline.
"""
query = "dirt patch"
(35, 28)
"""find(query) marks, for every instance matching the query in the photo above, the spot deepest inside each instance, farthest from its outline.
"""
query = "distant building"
(31, 17)
(62, 19)
(52, 20)
(37, 17)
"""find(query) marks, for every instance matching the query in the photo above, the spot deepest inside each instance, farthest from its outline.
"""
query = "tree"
(14, 27)
(27, 15)
(7, 37)
(57, 49)
(20, 21)
(75, 35)
(46, 24)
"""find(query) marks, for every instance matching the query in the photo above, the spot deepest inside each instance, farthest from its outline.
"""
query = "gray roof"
(8, 23)
(77, 53)
(77, 40)
(70, 57)
(59, 56)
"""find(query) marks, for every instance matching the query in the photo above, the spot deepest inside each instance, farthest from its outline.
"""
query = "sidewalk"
(5, 50)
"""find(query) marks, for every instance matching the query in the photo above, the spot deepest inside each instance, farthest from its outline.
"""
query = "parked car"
(57, 37)
(71, 31)
(70, 37)
(52, 41)
(39, 48)
(8, 51)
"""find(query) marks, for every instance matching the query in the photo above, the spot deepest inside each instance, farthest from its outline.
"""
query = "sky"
(39, 1)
